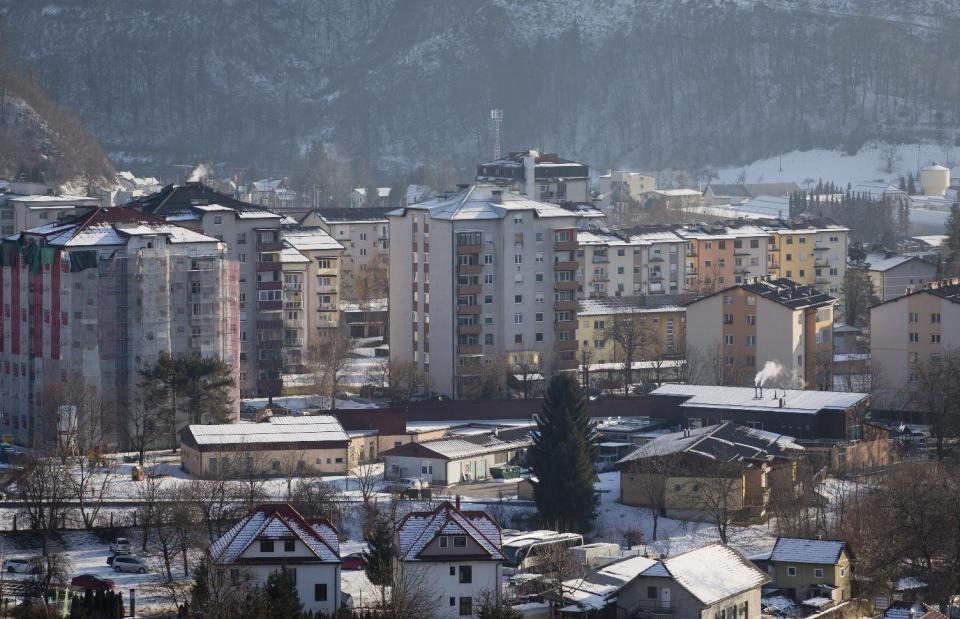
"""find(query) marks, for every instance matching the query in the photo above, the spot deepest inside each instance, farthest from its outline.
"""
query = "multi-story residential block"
(311, 287)
(619, 187)
(275, 537)
(450, 558)
(90, 300)
(724, 254)
(893, 274)
(736, 331)
(27, 205)
(660, 328)
(252, 236)
(538, 176)
(646, 260)
(914, 329)
(482, 278)
(365, 236)
(811, 252)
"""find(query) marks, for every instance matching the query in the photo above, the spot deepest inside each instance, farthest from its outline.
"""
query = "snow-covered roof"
(675, 193)
(465, 446)
(289, 255)
(113, 226)
(745, 398)
(713, 573)
(267, 184)
(382, 192)
(285, 429)
(478, 202)
(418, 529)
(817, 551)
(309, 239)
(933, 240)
(883, 262)
(724, 442)
(212, 208)
(604, 307)
(257, 214)
(277, 522)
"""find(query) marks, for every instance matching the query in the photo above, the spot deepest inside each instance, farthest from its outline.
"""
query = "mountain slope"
(393, 83)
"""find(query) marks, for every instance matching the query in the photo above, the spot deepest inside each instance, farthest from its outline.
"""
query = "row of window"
(915, 338)
(915, 318)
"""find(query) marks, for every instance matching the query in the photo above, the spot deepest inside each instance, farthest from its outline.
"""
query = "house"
(274, 537)
(683, 473)
(456, 458)
(894, 275)
(280, 445)
(708, 582)
(449, 557)
(811, 568)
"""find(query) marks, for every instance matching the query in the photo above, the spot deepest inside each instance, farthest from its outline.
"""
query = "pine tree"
(379, 556)
(903, 183)
(563, 458)
(281, 590)
(911, 185)
(953, 232)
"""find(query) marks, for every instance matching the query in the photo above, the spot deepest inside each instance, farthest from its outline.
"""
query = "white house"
(274, 537)
(452, 556)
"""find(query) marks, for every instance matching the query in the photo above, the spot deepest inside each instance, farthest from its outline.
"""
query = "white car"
(129, 563)
(18, 566)
(408, 483)
(120, 546)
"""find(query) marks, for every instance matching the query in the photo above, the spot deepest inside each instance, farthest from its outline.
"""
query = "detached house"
(275, 537)
(811, 570)
(452, 555)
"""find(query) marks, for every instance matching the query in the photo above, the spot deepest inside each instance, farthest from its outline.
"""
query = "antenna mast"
(496, 118)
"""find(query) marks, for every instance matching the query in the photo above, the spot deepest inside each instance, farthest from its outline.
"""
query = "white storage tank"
(935, 179)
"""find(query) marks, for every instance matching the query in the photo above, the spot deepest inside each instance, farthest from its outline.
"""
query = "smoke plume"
(769, 371)
(199, 173)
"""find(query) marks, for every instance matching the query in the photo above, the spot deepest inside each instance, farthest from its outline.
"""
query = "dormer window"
(266, 545)
(459, 541)
(444, 541)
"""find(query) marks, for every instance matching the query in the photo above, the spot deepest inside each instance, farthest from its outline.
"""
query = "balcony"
(820, 279)
(691, 253)
(268, 247)
(600, 277)
(469, 289)
(326, 324)
(326, 289)
(565, 265)
(263, 267)
(468, 329)
(469, 249)
(469, 310)
(469, 269)
(565, 305)
(819, 247)
(269, 285)
(270, 324)
(566, 325)
(600, 259)
(293, 286)
(293, 343)
(292, 305)
(567, 345)
(327, 272)
(565, 245)
(292, 324)
(269, 306)
(821, 262)
(571, 285)
(655, 258)
(470, 349)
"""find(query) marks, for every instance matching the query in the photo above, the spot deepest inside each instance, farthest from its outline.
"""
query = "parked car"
(19, 566)
(120, 546)
(408, 483)
(89, 581)
(129, 563)
(354, 561)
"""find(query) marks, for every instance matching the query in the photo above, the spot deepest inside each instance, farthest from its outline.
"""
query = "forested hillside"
(396, 83)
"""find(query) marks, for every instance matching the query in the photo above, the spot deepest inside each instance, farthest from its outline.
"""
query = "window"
(728, 319)
(453, 601)
(289, 545)
(488, 258)
(934, 338)
(751, 319)
(466, 607)
(466, 574)
(320, 592)
(791, 571)
(818, 572)
(914, 337)
(651, 593)
(266, 545)
(488, 278)
(538, 316)
(752, 339)
(518, 338)
(459, 541)
(453, 571)
(727, 299)
(754, 244)
(518, 319)
(914, 317)
(217, 219)
(935, 318)
(444, 541)
(518, 298)
(518, 258)
(843, 572)
(728, 340)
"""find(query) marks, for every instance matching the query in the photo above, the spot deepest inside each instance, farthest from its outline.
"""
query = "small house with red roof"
(273, 537)
(452, 555)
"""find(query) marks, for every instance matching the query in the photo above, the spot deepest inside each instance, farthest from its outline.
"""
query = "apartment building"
(619, 187)
(811, 252)
(27, 205)
(365, 236)
(545, 177)
(724, 254)
(913, 329)
(253, 239)
(311, 286)
(478, 277)
(647, 260)
(661, 326)
(736, 331)
(90, 300)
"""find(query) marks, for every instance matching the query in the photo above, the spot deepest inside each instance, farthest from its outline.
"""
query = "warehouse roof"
(724, 442)
(275, 431)
(745, 398)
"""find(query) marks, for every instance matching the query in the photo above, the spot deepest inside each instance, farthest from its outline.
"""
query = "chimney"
(781, 402)
(497, 196)
(761, 391)
(457, 504)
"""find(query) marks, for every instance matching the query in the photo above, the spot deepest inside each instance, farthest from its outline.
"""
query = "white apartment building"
(311, 285)
(617, 186)
(27, 205)
(539, 176)
(480, 276)
(364, 234)
(451, 555)
(646, 260)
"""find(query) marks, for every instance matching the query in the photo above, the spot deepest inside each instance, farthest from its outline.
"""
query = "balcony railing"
(600, 259)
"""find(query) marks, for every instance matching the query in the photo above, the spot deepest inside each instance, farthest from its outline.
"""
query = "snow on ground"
(831, 165)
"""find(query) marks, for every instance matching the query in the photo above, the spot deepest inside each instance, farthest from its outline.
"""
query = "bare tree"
(938, 390)
(647, 477)
(43, 487)
(527, 367)
(718, 499)
(411, 594)
(400, 378)
(328, 360)
(628, 336)
(144, 425)
(293, 464)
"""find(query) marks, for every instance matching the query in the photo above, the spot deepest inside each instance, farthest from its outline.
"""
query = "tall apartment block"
(481, 276)
(733, 333)
(253, 239)
(28, 205)
(364, 234)
(911, 330)
(538, 176)
(90, 300)
(634, 262)
(812, 252)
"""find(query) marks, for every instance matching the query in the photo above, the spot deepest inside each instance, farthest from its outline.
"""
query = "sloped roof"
(599, 587)
(464, 446)
(948, 290)
(113, 226)
(797, 550)
(418, 529)
(715, 572)
(883, 262)
(309, 238)
(724, 442)
(274, 521)
(174, 199)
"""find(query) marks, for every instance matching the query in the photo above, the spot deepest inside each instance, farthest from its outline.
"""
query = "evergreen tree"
(563, 458)
(282, 597)
(903, 183)
(911, 185)
(379, 556)
(953, 232)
